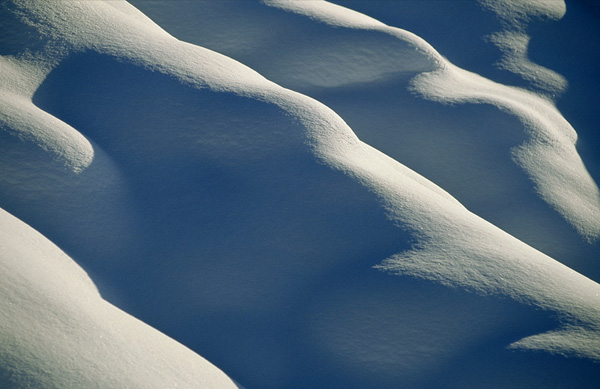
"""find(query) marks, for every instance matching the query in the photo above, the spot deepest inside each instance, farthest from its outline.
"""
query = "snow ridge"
(549, 155)
(248, 223)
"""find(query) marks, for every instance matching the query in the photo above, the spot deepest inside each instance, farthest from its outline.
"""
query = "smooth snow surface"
(57, 332)
(526, 196)
(281, 238)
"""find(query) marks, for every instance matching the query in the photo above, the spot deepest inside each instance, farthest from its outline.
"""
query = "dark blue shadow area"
(517, 369)
(413, 333)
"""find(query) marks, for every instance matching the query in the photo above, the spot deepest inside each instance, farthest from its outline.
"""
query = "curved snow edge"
(549, 157)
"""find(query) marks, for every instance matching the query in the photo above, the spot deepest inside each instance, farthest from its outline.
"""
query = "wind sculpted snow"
(249, 223)
(57, 332)
(540, 190)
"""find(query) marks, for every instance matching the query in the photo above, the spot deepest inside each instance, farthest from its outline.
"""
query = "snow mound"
(58, 332)
(249, 223)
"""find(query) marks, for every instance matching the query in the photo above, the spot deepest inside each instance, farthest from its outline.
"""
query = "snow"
(341, 46)
(232, 219)
(382, 110)
(549, 155)
(514, 46)
(34, 125)
(59, 333)
(516, 12)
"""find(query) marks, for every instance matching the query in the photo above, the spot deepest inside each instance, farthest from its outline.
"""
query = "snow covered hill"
(265, 230)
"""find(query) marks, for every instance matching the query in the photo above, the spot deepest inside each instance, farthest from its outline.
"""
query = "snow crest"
(248, 223)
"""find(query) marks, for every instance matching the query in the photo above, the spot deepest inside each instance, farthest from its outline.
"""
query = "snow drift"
(57, 332)
(538, 177)
(249, 223)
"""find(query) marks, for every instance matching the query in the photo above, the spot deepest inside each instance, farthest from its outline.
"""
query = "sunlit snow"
(280, 194)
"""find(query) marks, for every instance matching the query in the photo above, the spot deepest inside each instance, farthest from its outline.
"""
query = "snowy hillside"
(298, 193)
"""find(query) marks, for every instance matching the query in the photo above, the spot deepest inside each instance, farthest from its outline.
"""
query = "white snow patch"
(514, 46)
(513, 40)
(519, 11)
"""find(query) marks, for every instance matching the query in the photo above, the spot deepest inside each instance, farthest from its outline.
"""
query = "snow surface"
(57, 332)
(250, 223)
(382, 109)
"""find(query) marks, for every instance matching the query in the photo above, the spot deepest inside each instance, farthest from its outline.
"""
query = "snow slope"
(249, 223)
(57, 332)
(540, 192)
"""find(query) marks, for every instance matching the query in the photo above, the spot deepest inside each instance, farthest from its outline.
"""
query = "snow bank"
(58, 332)
(253, 218)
